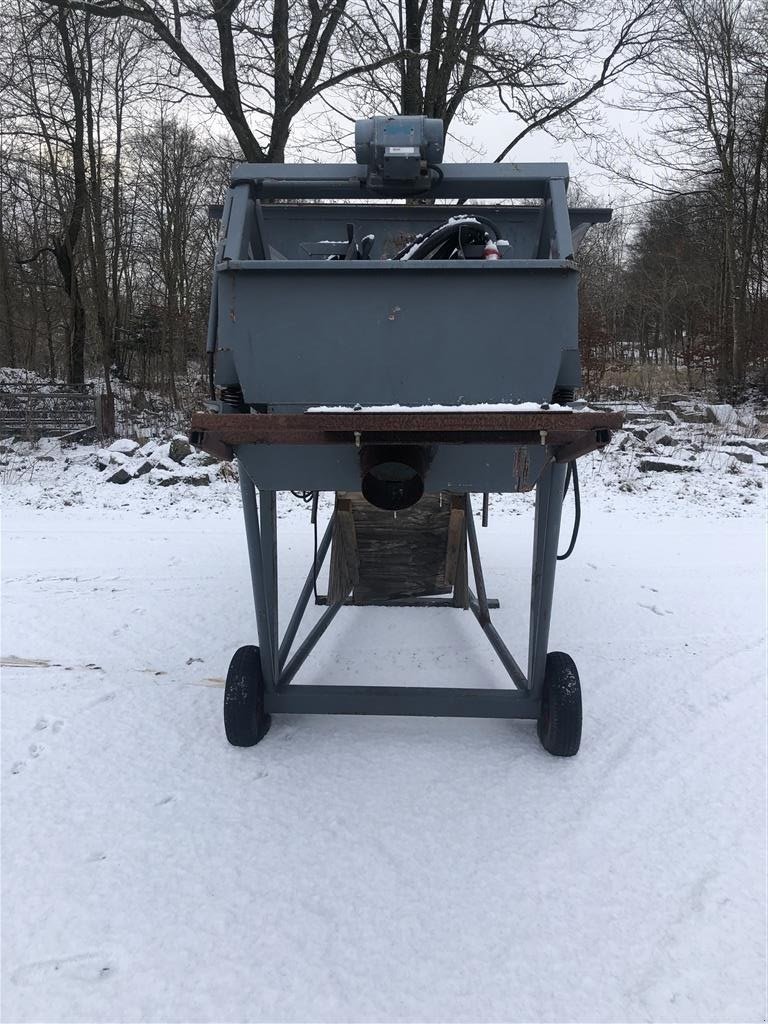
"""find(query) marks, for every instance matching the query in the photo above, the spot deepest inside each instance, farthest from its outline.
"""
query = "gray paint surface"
(453, 467)
(411, 334)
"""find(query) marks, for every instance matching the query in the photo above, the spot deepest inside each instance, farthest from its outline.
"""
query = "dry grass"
(646, 382)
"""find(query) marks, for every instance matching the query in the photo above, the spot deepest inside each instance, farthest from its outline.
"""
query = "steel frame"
(280, 662)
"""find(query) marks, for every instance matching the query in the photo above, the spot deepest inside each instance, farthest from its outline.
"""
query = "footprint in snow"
(102, 699)
(165, 800)
(36, 749)
(43, 723)
(655, 609)
(82, 967)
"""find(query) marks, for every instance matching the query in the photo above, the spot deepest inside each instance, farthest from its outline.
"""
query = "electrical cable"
(444, 237)
(315, 500)
(311, 496)
(211, 372)
(488, 223)
(572, 471)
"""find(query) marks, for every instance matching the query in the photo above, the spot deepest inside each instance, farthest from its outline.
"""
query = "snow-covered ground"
(381, 869)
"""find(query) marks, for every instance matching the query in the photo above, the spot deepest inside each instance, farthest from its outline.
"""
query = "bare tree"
(260, 64)
(178, 175)
(48, 89)
(708, 88)
(541, 64)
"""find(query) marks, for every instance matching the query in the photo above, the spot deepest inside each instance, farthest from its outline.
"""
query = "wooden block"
(399, 555)
(461, 581)
(344, 567)
(456, 536)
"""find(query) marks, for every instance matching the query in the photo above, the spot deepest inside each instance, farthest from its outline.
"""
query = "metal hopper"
(368, 339)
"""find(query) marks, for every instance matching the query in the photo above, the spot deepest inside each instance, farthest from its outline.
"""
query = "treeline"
(117, 285)
(684, 282)
(119, 123)
(655, 293)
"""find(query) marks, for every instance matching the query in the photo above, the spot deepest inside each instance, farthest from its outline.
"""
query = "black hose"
(211, 371)
(315, 502)
(434, 240)
(440, 236)
(487, 222)
(572, 471)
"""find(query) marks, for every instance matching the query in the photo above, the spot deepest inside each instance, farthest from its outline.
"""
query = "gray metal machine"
(398, 332)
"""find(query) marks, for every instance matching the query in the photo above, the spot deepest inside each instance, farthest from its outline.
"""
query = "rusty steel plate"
(577, 432)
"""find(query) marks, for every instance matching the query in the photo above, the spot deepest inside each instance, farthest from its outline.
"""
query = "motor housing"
(398, 151)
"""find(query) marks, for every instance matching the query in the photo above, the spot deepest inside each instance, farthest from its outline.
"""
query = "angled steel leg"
(253, 536)
(268, 523)
(549, 506)
(480, 605)
(304, 596)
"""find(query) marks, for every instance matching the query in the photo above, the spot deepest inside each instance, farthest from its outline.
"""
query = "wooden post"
(104, 409)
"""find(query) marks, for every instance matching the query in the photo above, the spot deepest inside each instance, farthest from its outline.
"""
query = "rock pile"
(163, 463)
(680, 435)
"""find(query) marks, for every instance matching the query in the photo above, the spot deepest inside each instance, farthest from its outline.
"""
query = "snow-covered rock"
(670, 401)
(190, 477)
(124, 446)
(201, 459)
(161, 450)
(105, 457)
(86, 458)
(663, 465)
(662, 436)
(164, 464)
(120, 475)
(661, 415)
(147, 449)
(687, 411)
(723, 415)
(757, 444)
(742, 454)
(180, 448)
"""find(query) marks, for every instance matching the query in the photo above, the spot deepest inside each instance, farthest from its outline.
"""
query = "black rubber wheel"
(559, 722)
(245, 721)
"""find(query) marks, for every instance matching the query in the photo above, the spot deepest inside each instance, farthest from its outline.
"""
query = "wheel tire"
(559, 722)
(245, 721)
